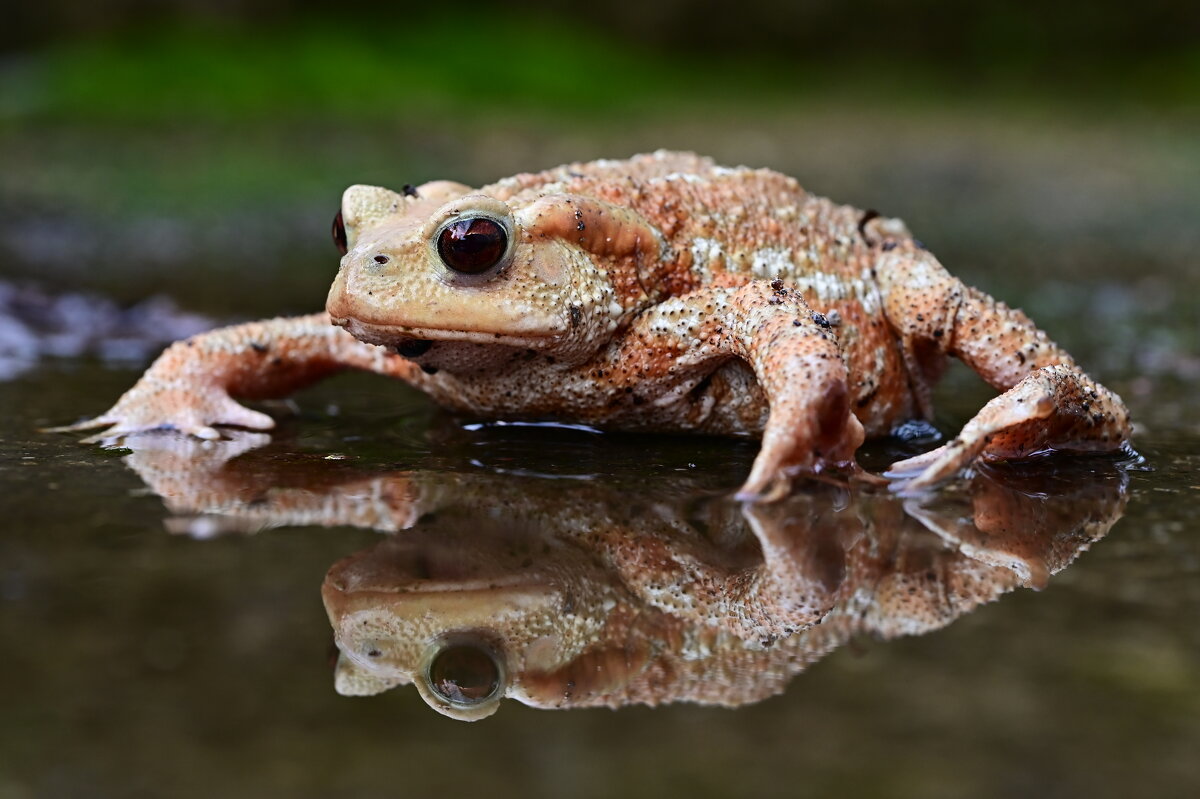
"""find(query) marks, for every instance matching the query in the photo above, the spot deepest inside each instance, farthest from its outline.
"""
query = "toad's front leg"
(793, 354)
(196, 383)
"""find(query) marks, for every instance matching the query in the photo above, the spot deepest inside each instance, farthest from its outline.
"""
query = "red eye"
(339, 233)
(464, 674)
(472, 246)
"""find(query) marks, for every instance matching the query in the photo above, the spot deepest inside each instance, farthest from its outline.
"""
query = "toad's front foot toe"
(919, 473)
(193, 413)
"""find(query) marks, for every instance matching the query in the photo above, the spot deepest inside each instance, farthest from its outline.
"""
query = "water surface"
(163, 622)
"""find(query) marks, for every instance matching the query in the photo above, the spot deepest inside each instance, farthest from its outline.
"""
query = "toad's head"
(440, 266)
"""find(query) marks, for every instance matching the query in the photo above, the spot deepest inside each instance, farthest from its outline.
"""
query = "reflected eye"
(339, 233)
(472, 246)
(464, 674)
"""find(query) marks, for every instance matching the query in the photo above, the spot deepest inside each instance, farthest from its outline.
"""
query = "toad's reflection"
(575, 603)
(567, 593)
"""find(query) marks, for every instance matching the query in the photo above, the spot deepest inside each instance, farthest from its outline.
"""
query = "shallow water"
(148, 653)
(165, 630)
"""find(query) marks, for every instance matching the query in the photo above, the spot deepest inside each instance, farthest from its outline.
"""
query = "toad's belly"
(725, 401)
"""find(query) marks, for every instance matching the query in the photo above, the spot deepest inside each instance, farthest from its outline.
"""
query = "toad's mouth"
(413, 347)
(412, 342)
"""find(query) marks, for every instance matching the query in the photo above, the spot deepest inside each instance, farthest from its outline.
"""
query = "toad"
(658, 293)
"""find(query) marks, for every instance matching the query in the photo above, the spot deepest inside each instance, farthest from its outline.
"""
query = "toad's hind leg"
(1048, 403)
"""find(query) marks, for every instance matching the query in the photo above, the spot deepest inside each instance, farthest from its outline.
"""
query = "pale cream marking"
(706, 254)
(686, 177)
(770, 262)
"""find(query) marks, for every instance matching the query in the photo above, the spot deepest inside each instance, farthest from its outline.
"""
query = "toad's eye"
(339, 233)
(472, 246)
(464, 674)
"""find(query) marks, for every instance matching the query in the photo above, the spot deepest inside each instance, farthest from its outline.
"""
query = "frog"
(658, 293)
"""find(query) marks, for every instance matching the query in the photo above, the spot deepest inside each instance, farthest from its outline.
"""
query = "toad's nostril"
(412, 347)
(381, 259)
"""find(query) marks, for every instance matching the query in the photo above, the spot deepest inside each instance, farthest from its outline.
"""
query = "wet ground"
(163, 620)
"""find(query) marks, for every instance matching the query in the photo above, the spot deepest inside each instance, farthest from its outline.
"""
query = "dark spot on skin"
(862, 403)
(259, 348)
(821, 320)
(920, 317)
(429, 370)
(190, 343)
(576, 315)
(374, 653)
(1021, 357)
(796, 323)
(381, 259)
(579, 226)
(413, 347)
(777, 284)
(888, 246)
(862, 225)
(937, 333)
(409, 190)
(276, 361)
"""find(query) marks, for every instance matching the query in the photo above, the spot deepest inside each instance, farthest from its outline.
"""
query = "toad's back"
(727, 226)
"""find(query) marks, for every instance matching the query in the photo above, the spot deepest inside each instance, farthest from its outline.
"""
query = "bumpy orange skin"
(662, 293)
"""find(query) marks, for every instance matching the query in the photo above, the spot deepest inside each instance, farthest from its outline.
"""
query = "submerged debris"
(36, 324)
